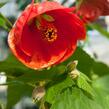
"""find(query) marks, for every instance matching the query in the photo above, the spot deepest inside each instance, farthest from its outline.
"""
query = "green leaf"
(11, 65)
(56, 89)
(100, 68)
(16, 92)
(86, 78)
(87, 65)
(102, 83)
(2, 22)
(101, 87)
(5, 23)
(48, 18)
(13, 68)
(82, 83)
(74, 98)
(85, 62)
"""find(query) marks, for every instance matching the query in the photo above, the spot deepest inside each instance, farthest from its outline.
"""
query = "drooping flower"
(90, 10)
(45, 34)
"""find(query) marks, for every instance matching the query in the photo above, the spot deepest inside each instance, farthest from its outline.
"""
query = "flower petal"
(27, 41)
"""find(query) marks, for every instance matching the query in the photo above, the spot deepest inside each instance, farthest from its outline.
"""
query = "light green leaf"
(56, 89)
(82, 83)
(102, 83)
(74, 98)
(101, 87)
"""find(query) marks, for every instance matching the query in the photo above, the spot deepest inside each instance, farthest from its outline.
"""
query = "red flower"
(92, 9)
(45, 34)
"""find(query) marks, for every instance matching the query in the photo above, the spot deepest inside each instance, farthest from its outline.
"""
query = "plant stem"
(6, 28)
(7, 21)
(42, 106)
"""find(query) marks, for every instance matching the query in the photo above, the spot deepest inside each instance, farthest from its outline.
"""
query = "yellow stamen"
(49, 33)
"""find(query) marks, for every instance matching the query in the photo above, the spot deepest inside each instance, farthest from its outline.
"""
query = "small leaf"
(86, 77)
(48, 18)
(82, 83)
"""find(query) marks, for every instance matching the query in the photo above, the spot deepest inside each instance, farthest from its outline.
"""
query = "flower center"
(49, 33)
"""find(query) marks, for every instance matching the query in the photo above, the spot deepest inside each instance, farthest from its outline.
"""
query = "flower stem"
(42, 106)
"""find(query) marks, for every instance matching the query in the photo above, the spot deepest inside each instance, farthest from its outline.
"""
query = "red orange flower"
(45, 34)
(92, 9)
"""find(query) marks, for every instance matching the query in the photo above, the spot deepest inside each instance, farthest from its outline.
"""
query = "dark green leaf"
(88, 65)
(14, 68)
(100, 68)
(85, 62)
(16, 92)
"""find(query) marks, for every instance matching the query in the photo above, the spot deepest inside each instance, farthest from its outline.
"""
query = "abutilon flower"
(90, 10)
(45, 34)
